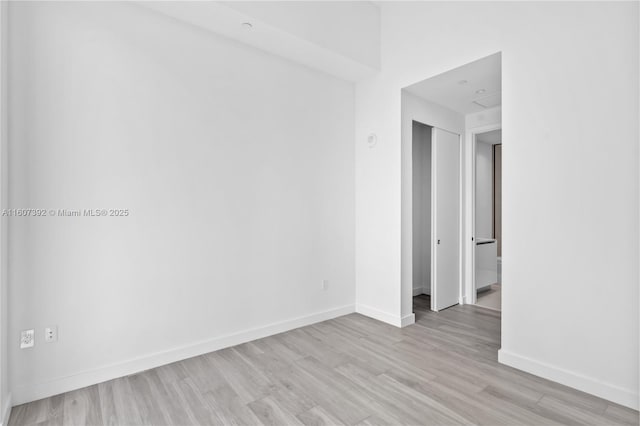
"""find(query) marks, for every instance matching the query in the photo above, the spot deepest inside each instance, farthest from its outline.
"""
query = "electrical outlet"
(27, 338)
(325, 285)
(51, 334)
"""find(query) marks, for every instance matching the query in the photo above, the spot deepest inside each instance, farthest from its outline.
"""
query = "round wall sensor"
(372, 140)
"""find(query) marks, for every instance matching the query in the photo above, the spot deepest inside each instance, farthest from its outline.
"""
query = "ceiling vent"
(490, 101)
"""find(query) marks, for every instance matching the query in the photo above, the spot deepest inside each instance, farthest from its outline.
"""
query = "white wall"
(421, 207)
(431, 114)
(5, 395)
(237, 168)
(351, 28)
(578, 199)
(484, 190)
(484, 118)
(339, 38)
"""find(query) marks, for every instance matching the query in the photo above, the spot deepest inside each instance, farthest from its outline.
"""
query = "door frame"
(460, 218)
(469, 294)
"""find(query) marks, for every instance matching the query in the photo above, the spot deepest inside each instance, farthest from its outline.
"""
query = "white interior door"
(445, 225)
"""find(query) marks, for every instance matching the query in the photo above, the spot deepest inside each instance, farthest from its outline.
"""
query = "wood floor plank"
(82, 407)
(204, 373)
(349, 370)
(226, 404)
(38, 411)
(270, 413)
(125, 401)
(150, 408)
(53, 421)
(195, 405)
(391, 404)
(247, 381)
(318, 416)
(328, 389)
(622, 415)
(568, 414)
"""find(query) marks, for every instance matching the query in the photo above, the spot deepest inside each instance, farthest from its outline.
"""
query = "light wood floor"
(350, 370)
(491, 298)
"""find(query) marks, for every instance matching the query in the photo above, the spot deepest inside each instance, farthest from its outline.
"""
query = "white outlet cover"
(27, 338)
(51, 334)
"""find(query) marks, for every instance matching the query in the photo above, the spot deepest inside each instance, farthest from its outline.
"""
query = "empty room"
(302, 213)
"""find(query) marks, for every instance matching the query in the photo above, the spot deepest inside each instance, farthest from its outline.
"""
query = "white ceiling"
(284, 29)
(445, 89)
(493, 137)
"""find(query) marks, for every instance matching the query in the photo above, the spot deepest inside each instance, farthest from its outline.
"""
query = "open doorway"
(436, 216)
(421, 192)
(440, 116)
(488, 219)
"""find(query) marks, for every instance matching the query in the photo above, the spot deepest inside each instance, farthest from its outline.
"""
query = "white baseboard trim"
(407, 320)
(417, 291)
(6, 410)
(385, 316)
(378, 315)
(626, 397)
(32, 392)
